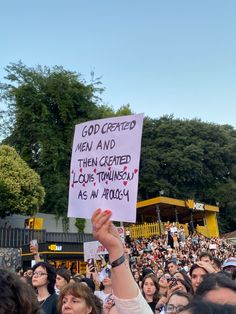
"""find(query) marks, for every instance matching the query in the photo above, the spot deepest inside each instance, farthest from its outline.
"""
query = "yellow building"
(153, 214)
(34, 223)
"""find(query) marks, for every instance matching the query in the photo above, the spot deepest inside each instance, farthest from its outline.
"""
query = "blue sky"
(162, 57)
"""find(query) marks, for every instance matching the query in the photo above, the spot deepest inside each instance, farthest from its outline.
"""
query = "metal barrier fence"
(145, 230)
(16, 237)
(148, 230)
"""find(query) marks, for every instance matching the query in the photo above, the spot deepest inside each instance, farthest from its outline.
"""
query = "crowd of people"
(173, 273)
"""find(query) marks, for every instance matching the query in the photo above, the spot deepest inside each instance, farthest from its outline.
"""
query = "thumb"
(113, 230)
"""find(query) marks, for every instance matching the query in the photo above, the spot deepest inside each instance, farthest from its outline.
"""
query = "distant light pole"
(158, 217)
(161, 193)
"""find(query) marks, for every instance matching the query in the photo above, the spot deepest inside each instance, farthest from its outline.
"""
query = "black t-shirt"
(49, 306)
(152, 305)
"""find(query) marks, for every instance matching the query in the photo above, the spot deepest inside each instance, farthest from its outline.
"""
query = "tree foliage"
(20, 187)
(80, 224)
(190, 159)
(184, 158)
(44, 105)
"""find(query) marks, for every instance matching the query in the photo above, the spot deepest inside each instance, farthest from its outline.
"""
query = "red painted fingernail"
(99, 210)
(107, 212)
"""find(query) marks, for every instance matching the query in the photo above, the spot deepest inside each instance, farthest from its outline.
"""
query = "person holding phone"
(34, 249)
(92, 274)
(105, 285)
(91, 265)
(109, 306)
(172, 282)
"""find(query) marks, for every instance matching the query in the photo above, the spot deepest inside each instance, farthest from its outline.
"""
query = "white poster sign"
(105, 167)
(93, 249)
(121, 232)
(212, 246)
(198, 206)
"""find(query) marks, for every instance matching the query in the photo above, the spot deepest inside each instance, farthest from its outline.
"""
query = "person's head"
(106, 282)
(136, 275)
(28, 272)
(184, 286)
(182, 275)
(44, 275)
(229, 264)
(19, 270)
(197, 274)
(205, 257)
(76, 278)
(163, 280)
(150, 287)
(172, 267)
(78, 298)
(62, 278)
(177, 301)
(89, 282)
(217, 288)
(16, 296)
(159, 273)
(198, 306)
(216, 263)
(146, 271)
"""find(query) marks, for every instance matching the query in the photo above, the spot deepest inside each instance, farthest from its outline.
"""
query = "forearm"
(37, 258)
(123, 283)
(137, 305)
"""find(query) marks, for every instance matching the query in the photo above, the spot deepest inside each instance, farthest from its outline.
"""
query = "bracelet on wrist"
(118, 261)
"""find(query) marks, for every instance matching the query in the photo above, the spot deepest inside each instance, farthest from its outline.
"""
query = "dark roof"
(229, 235)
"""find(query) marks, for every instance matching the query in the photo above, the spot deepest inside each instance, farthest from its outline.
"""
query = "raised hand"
(105, 232)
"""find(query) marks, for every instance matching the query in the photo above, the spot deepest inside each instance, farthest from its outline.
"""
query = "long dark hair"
(17, 296)
(156, 284)
(198, 306)
(51, 275)
(215, 281)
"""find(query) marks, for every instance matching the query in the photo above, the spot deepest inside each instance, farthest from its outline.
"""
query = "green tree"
(189, 159)
(80, 224)
(44, 105)
(21, 191)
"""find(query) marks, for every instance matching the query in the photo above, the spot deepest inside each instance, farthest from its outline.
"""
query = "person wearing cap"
(229, 264)
(62, 278)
